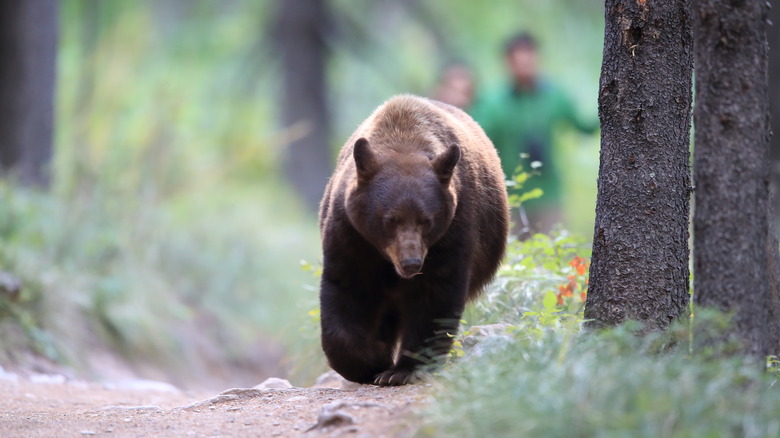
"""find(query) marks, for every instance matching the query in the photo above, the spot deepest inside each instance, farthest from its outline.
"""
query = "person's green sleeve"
(480, 112)
(570, 115)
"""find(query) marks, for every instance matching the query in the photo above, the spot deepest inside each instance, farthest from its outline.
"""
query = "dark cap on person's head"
(521, 40)
(454, 63)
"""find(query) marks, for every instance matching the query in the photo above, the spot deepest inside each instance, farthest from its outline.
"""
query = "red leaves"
(580, 264)
(575, 282)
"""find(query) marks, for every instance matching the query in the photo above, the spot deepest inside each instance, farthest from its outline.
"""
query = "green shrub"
(539, 375)
(564, 385)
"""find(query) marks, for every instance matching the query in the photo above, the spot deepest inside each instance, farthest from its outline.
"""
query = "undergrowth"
(189, 296)
(532, 372)
(561, 384)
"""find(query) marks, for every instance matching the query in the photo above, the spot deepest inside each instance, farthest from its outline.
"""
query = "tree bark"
(28, 52)
(734, 251)
(639, 269)
(773, 37)
(300, 30)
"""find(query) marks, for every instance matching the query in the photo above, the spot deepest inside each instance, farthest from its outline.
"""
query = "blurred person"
(456, 86)
(520, 118)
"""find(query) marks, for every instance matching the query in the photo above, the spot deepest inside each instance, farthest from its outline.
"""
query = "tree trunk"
(773, 36)
(300, 30)
(28, 52)
(734, 251)
(773, 303)
(639, 269)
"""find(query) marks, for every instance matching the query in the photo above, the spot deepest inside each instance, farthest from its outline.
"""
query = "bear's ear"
(365, 160)
(444, 164)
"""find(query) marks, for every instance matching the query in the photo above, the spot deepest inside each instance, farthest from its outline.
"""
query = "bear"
(414, 223)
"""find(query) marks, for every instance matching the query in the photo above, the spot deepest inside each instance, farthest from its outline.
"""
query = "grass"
(158, 288)
(540, 375)
(563, 385)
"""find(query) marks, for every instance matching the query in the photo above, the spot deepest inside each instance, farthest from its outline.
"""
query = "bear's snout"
(411, 266)
(407, 252)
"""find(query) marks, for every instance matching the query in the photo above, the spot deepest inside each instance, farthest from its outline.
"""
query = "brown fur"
(414, 223)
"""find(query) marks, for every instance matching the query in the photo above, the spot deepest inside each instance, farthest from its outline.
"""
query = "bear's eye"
(391, 220)
(426, 223)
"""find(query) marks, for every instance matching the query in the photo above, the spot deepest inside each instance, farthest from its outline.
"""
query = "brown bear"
(414, 223)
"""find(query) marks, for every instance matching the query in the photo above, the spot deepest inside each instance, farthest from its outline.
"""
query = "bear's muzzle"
(407, 252)
(410, 267)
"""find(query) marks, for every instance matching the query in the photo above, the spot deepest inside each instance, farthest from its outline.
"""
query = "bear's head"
(402, 203)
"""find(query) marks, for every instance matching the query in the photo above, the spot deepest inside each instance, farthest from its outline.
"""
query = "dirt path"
(50, 406)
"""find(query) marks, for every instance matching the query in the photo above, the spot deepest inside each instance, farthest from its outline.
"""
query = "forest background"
(171, 243)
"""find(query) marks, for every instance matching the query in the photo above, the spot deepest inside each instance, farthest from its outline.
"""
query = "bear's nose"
(411, 266)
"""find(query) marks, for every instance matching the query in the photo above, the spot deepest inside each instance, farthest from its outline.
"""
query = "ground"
(52, 405)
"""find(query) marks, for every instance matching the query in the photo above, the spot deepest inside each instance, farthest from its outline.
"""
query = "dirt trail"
(50, 406)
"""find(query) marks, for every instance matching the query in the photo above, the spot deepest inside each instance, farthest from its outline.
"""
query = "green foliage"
(146, 105)
(534, 373)
(147, 283)
(515, 186)
(532, 279)
(611, 385)
(773, 366)
(309, 360)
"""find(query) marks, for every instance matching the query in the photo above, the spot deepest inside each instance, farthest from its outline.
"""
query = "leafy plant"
(556, 382)
(535, 271)
(526, 368)
(517, 196)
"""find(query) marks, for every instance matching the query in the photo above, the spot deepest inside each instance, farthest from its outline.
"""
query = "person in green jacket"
(520, 118)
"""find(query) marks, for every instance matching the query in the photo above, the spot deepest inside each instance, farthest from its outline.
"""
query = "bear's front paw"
(396, 377)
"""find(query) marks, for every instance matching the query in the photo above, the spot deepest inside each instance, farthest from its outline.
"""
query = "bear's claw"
(395, 378)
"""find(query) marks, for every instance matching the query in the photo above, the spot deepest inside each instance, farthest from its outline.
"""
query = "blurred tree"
(639, 269)
(28, 51)
(300, 30)
(735, 250)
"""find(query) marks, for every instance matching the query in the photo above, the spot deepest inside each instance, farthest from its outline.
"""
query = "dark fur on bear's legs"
(425, 344)
(430, 317)
(358, 342)
(365, 319)
(362, 351)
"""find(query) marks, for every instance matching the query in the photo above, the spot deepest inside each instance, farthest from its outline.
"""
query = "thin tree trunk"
(300, 30)
(734, 251)
(773, 302)
(773, 37)
(28, 51)
(639, 269)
